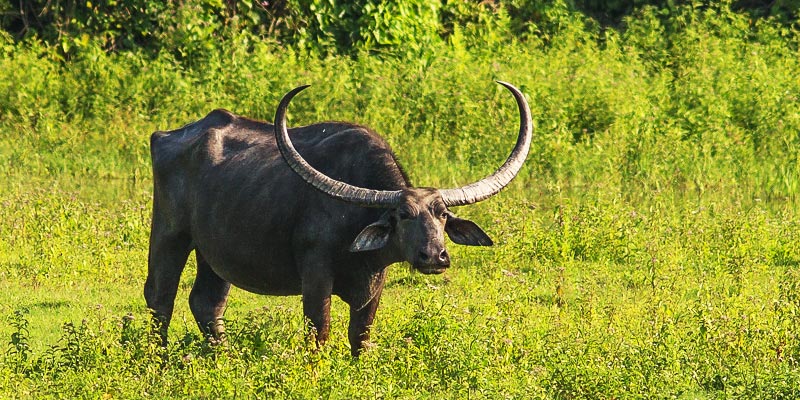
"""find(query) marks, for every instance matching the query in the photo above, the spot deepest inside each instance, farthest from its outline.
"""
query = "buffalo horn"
(332, 187)
(492, 184)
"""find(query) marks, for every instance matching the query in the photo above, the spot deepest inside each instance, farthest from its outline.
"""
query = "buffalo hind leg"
(207, 300)
(165, 263)
(360, 324)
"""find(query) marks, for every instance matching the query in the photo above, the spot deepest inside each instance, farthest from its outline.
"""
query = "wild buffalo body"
(315, 210)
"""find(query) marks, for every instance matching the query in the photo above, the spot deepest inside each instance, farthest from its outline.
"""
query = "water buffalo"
(316, 210)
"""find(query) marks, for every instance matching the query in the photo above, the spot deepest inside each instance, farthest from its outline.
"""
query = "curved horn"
(327, 185)
(492, 184)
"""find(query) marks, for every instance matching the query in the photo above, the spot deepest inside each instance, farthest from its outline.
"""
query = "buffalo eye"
(404, 214)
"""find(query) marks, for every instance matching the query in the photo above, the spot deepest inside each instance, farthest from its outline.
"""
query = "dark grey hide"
(223, 189)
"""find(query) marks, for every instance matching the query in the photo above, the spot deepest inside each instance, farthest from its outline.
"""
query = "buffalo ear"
(374, 236)
(466, 232)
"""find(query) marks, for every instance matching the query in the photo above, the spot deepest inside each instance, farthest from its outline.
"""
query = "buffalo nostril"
(443, 256)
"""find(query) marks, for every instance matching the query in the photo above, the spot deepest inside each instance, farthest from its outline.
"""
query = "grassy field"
(650, 248)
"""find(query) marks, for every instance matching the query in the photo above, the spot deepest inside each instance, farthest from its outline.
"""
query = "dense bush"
(695, 100)
(189, 28)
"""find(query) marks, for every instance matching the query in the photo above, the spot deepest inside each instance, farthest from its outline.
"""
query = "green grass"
(650, 248)
(590, 297)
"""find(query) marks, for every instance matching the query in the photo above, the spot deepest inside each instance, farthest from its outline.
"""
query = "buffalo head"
(416, 219)
(416, 226)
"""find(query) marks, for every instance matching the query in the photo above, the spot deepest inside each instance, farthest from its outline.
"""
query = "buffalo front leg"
(165, 263)
(207, 300)
(361, 323)
(317, 289)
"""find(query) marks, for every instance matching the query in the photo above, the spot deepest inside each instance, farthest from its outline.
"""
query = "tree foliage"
(190, 28)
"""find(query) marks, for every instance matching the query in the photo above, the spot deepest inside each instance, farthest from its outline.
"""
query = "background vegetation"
(649, 248)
